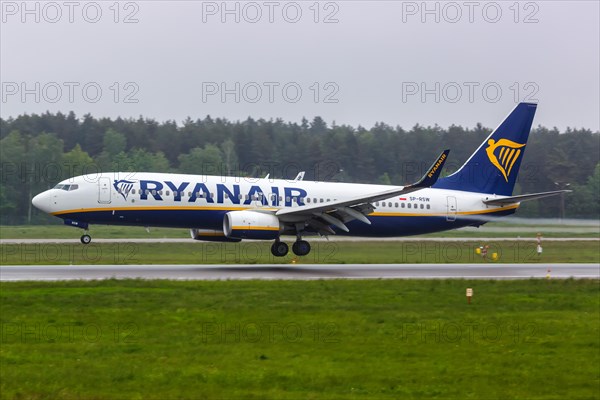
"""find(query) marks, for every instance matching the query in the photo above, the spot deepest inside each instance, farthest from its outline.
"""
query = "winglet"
(433, 173)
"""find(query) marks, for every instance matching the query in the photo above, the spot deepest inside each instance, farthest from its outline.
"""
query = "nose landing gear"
(85, 239)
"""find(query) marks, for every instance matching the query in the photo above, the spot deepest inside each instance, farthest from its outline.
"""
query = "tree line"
(37, 151)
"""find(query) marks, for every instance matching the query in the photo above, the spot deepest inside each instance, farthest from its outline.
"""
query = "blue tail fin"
(494, 166)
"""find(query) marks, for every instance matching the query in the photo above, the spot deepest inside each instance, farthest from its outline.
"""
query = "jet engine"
(251, 225)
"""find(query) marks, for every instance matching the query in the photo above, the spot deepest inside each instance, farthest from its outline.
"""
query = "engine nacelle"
(211, 235)
(251, 225)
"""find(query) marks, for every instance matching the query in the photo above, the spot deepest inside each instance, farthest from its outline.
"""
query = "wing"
(337, 213)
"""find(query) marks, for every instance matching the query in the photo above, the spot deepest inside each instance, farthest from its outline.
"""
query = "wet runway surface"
(299, 271)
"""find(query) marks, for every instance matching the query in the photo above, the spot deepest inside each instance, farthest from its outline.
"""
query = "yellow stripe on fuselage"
(488, 211)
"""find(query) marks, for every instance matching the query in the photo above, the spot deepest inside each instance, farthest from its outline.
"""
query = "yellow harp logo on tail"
(503, 154)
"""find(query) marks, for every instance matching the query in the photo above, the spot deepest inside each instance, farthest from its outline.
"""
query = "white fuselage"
(197, 201)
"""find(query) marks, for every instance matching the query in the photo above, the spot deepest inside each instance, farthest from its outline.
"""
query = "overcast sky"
(352, 62)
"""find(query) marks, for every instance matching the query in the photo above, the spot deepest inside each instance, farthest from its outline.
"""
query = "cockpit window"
(67, 188)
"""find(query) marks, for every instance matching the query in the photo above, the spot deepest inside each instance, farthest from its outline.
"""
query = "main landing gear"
(300, 248)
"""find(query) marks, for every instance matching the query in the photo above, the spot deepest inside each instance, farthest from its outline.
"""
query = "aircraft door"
(104, 190)
(451, 209)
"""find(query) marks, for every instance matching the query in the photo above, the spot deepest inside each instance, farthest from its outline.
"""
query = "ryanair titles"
(191, 192)
(437, 165)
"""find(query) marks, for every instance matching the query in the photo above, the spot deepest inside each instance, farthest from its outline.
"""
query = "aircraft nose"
(42, 201)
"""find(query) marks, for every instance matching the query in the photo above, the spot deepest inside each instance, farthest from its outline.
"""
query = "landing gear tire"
(301, 248)
(85, 239)
(279, 249)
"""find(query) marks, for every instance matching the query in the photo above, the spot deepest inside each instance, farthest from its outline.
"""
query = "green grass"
(60, 231)
(530, 339)
(322, 253)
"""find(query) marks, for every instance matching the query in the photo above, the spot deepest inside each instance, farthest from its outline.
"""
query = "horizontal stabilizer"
(524, 197)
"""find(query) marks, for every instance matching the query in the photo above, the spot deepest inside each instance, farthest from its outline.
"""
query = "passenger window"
(422, 206)
(396, 205)
(160, 192)
(390, 204)
(308, 199)
(402, 205)
(132, 191)
(416, 206)
(321, 200)
(409, 206)
(287, 199)
(167, 193)
(428, 206)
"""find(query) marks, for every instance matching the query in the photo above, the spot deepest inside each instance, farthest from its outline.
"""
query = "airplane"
(231, 209)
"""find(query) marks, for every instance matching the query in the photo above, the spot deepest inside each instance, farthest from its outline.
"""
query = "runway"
(298, 271)
(312, 239)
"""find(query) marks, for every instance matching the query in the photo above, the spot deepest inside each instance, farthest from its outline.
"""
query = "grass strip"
(249, 252)
(334, 339)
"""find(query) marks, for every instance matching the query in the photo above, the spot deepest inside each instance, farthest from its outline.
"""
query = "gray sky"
(352, 62)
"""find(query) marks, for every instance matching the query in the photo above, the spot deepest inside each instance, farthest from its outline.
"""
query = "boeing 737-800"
(225, 208)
